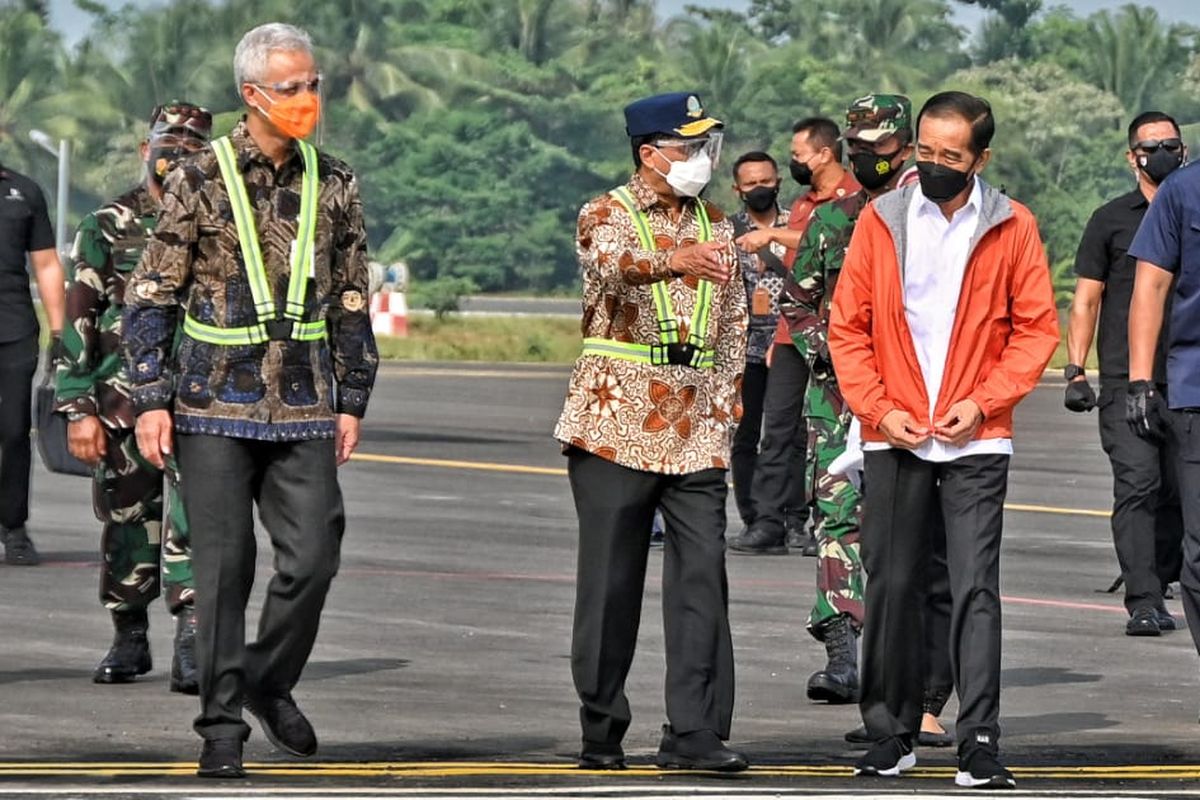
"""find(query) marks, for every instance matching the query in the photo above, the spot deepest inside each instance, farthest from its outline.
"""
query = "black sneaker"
(887, 758)
(978, 768)
(1143, 622)
(284, 724)
(18, 549)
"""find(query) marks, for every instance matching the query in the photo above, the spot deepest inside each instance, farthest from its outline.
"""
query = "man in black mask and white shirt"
(1147, 523)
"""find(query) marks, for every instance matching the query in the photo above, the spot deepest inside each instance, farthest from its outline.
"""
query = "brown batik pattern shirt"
(668, 419)
(279, 390)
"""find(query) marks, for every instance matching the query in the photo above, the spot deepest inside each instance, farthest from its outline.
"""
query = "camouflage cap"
(878, 116)
(180, 118)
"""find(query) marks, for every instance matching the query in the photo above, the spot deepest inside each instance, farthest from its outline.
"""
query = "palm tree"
(1135, 53)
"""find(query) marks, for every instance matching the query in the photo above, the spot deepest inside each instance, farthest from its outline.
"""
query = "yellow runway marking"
(452, 769)
(523, 469)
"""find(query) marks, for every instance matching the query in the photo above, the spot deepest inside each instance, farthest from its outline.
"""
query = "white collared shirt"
(935, 261)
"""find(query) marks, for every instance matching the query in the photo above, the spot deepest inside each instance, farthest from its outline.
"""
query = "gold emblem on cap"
(352, 300)
(694, 109)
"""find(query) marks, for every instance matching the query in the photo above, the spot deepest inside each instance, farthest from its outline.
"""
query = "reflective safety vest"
(273, 323)
(697, 354)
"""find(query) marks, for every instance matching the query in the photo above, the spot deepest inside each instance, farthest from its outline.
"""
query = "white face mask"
(688, 178)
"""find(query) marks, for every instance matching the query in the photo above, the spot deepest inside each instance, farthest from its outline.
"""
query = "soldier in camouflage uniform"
(94, 393)
(879, 136)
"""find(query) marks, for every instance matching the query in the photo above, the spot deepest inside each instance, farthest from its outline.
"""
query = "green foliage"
(442, 295)
(479, 127)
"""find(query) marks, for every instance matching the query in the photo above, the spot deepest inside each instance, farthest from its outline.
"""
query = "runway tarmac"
(442, 662)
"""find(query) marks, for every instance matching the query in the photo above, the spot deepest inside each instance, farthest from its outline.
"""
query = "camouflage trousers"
(141, 553)
(838, 503)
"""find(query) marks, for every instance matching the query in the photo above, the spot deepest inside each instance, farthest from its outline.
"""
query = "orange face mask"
(294, 116)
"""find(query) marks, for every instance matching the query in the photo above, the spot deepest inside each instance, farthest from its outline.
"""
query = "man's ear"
(144, 149)
(984, 158)
(646, 153)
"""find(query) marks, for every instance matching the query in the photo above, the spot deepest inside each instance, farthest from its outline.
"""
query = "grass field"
(550, 340)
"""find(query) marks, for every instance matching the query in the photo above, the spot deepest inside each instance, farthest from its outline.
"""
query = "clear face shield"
(708, 144)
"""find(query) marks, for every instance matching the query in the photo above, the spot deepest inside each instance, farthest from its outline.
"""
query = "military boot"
(183, 664)
(129, 655)
(838, 682)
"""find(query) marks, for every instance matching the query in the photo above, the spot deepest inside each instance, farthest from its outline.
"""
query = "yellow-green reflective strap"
(668, 325)
(243, 218)
(622, 196)
(704, 289)
(638, 353)
(250, 334)
(306, 226)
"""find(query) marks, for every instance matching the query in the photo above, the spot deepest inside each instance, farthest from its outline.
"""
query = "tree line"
(478, 127)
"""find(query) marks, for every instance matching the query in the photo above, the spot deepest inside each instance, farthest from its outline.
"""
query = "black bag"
(52, 432)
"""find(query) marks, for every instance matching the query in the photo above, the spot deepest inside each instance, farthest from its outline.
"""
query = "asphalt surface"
(446, 636)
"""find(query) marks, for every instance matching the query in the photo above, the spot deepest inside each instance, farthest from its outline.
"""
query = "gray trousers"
(615, 506)
(904, 494)
(294, 485)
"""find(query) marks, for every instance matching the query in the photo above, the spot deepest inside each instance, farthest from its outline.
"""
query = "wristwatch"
(1072, 371)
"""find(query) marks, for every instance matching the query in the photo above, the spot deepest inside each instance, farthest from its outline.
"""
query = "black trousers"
(294, 485)
(939, 606)
(18, 363)
(779, 471)
(746, 437)
(1185, 429)
(905, 492)
(1147, 523)
(615, 505)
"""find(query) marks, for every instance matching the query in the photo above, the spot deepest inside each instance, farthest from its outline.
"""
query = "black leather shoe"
(758, 542)
(1143, 622)
(601, 755)
(931, 739)
(697, 750)
(284, 724)
(858, 736)
(18, 548)
(221, 758)
(1166, 622)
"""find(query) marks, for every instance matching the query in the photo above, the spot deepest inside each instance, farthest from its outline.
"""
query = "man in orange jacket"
(942, 320)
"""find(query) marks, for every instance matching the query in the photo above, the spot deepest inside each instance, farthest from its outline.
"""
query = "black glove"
(1145, 411)
(55, 352)
(1080, 396)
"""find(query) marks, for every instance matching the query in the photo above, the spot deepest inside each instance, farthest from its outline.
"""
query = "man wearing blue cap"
(647, 424)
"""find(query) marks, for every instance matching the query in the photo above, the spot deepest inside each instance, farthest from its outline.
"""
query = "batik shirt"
(764, 268)
(108, 245)
(668, 419)
(814, 276)
(278, 390)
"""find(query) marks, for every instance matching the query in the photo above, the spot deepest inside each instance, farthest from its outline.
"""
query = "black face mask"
(1159, 164)
(871, 170)
(761, 198)
(161, 160)
(801, 172)
(941, 184)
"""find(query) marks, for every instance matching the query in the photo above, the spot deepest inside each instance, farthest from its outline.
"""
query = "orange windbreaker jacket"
(1005, 328)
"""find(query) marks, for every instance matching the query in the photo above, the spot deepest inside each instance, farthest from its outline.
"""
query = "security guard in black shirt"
(24, 229)
(1146, 521)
